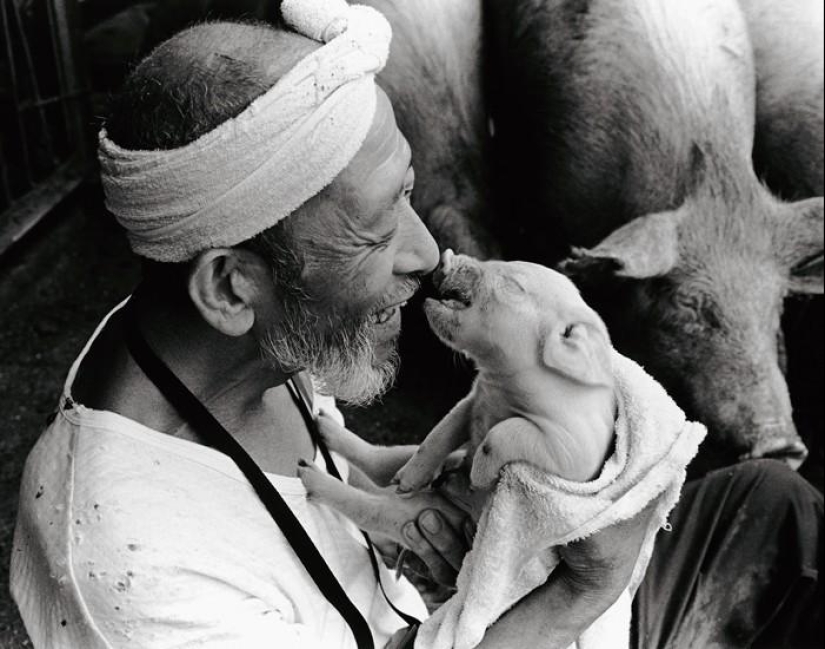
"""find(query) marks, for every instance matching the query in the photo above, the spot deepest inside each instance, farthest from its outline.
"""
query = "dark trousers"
(741, 566)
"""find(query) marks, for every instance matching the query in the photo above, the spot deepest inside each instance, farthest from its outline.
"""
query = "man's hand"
(592, 574)
(442, 542)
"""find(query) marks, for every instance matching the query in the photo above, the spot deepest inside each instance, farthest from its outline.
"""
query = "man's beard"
(339, 354)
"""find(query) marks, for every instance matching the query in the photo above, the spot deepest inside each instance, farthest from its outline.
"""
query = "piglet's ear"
(580, 352)
(646, 247)
(799, 238)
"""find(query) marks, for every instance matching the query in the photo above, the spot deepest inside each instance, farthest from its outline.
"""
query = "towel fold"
(530, 513)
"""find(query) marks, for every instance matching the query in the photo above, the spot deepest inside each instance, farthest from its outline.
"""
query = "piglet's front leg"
(379, 510)
(450, 433)
(380, 463)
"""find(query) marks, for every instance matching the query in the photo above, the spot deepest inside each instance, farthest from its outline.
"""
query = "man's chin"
(353, 381)
(356, 363)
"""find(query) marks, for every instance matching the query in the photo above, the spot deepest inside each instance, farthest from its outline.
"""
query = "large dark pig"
(789, 53)
(625, 129)
(434, 80)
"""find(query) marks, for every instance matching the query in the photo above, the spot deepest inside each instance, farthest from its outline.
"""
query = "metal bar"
(4, 176)
(29, 210)
(24, 43)
(67, 20)
(48, 101)
(60, 67)
(14, 91)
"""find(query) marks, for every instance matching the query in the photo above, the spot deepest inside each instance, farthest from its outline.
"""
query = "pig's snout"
(445, 268)
(783, 445)
(457, 278)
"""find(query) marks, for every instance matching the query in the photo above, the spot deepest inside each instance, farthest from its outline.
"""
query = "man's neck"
(226, 373)
(214, 366)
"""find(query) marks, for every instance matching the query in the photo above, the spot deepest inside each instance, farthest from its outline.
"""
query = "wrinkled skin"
(632, 142)
(433, 78)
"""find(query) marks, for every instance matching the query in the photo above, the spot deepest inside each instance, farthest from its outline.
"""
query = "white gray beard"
(341, 362)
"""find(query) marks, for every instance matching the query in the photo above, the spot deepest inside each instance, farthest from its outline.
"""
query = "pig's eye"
(568, 331)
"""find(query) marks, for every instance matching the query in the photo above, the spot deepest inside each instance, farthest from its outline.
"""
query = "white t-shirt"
(128, 537)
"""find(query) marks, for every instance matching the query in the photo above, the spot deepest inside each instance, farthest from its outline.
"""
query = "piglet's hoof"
(342, 441)
(404, 484)
(312, 477)
(328, 427)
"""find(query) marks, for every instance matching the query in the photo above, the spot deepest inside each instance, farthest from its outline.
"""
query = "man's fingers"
(432, 547)
(447, 541)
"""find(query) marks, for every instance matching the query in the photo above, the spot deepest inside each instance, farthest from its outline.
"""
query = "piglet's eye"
(568, 331)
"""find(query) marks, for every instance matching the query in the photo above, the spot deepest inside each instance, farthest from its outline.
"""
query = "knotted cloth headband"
(257, 168)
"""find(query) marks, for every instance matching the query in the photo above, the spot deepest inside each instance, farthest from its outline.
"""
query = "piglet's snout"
(458, 277)
(445, 268)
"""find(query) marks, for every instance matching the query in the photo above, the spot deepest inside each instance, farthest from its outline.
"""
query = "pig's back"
(789, 52)
(605, 103)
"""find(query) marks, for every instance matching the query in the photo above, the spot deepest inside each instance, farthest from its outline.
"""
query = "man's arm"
(591, 576)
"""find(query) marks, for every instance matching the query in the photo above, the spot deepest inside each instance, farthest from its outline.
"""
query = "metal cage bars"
(44, 152)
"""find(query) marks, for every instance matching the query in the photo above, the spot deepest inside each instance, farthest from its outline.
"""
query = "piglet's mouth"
(453, 283)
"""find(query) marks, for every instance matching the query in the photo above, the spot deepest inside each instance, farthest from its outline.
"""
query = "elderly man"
(262, 178)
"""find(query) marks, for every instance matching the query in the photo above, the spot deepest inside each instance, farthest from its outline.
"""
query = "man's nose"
(417, 251)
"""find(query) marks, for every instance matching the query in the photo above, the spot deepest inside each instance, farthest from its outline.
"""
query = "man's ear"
(223, 291)
(580, 352)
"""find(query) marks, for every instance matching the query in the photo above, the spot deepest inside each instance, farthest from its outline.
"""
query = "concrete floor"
(56, 287)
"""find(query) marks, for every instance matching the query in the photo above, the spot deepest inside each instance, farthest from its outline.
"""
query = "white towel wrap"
(254, 170)
(530, 513)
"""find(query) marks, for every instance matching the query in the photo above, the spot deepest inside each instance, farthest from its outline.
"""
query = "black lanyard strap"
(199, 417)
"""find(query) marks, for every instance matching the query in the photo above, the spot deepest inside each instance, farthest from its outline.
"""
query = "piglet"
(624, 130)
(544, 393)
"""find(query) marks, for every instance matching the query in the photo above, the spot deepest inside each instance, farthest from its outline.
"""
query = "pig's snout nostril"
(793, 453)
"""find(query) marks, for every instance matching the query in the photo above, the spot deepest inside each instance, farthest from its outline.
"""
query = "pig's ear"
(800, 240)
(646, 247)
(578, 351)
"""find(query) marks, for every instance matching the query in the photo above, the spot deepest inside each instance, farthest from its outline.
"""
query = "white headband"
(252, 171)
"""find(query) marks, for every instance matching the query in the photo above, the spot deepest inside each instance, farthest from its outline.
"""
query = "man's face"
(364, 248)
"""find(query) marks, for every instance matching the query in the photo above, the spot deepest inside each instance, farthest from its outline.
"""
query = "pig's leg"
(512, 440)
(450, 433)
(380, 463)
(370, 510)
(378, 511)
